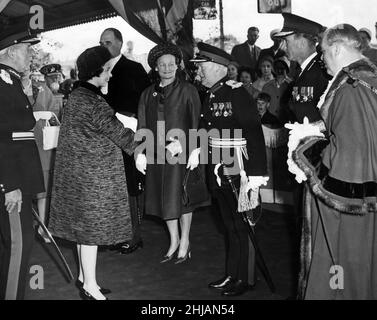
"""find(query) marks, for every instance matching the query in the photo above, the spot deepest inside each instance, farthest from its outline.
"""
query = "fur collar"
(351, 74)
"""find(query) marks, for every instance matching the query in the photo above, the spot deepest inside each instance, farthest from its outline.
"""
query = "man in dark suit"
(247, 53)
(128, 81)
(20, 171)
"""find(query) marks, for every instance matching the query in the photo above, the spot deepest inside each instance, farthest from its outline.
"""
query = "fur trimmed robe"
(350, 155)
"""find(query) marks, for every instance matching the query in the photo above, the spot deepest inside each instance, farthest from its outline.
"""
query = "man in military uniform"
(20, 170)
(301, 36)
(228, 107)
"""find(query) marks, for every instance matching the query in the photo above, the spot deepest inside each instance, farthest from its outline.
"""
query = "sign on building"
(274, 6)
(205, 9)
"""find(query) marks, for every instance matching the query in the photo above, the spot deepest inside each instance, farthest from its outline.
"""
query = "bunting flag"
(160, 20)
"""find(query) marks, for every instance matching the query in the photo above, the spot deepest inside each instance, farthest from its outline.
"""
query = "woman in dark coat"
(171, 103)
(89, 198)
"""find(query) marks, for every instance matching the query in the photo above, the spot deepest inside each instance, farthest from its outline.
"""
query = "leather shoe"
(222, 283)
(238, 288)
(128, 248)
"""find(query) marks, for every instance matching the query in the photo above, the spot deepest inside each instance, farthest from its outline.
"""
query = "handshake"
(174, 147)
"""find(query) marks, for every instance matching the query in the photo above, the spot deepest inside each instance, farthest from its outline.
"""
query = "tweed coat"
(179, 106)
(89, 202)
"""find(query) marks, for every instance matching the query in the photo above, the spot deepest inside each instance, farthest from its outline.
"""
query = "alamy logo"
(37, 279)
(337, 280)
(37, 18)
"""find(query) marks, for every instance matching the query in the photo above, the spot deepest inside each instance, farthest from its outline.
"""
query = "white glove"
(141, 162)
(297, 132)
(254, 182)
(128, 122)
(193, 160)
(174, 147)
(301, 130)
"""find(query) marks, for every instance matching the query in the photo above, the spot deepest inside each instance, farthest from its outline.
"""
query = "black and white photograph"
(188, 156)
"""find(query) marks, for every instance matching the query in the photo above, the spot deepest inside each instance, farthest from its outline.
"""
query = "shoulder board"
(5, 76)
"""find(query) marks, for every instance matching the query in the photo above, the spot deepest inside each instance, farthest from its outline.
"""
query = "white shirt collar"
(114, 61)
(307, 61)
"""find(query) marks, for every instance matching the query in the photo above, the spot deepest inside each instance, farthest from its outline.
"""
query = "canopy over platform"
(15, 15)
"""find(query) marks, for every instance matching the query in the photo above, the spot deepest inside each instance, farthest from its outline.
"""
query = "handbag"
(194, 188)
(51, 134)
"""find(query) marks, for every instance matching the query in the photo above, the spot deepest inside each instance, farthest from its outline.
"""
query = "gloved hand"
(297, 132)
(301, 130)
(193, 160)
(254, 182)
(174, 147)
(141, 162)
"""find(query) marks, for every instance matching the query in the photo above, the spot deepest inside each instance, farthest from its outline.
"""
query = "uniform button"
(209, 123)
(27, 107)
(211, 109)
(202, 115)
(1, 185)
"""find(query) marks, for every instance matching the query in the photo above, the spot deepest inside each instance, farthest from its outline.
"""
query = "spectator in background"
(245, 77)
(275, 51)
(267, 118)
(247, 53)
(266, 70)
(233, 70)
(278, 90)
(66, 86)
(366, 49)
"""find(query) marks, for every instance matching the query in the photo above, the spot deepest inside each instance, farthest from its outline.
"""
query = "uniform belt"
(19, 136)
(350, 190)
(227, 142)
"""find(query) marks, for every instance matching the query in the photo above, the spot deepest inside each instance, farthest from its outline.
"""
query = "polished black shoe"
(222, 283)
(238, 288)
(79, 285)
(85, 295)
(128, 248)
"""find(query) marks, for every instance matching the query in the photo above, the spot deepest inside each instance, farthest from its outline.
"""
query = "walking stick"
(60, 254)
(260, 260)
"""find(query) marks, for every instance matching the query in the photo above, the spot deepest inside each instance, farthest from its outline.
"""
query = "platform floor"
(140, 276)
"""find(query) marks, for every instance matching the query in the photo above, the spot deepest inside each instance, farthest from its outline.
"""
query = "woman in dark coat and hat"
(169, 104)
(89, 198)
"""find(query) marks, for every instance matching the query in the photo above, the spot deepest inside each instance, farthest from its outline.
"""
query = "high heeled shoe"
(79, 285)
(85, 295)
(167, 258)
(185, 257)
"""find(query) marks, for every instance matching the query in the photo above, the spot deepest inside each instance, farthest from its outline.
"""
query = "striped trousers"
(16, 241)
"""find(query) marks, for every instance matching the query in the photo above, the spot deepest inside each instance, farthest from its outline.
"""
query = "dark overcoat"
(89, 202)
(178, 105)
(128, 81)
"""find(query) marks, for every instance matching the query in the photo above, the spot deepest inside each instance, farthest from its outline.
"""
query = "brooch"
(5, 76)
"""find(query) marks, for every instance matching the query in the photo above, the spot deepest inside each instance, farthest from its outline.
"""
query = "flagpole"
(221, 25)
